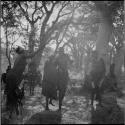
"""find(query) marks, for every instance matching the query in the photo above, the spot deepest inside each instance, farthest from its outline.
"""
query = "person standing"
(97, 74)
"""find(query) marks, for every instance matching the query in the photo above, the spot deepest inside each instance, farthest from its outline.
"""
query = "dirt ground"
(74, 109)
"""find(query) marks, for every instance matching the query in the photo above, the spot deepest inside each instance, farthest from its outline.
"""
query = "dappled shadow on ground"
(74, 109)
(45, 117)
(109, 113)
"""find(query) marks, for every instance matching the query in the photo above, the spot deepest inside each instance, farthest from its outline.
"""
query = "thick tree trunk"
(31, 38)
(0, 58)
(0, 69)
(7, 46)
(102, 46)
(37, 58)
(119, 62)
(124, 63)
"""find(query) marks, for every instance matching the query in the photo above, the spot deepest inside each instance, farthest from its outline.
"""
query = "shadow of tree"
(45, 117)
(109, 113)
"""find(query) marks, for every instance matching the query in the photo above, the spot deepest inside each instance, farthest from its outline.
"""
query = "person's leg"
(50, 102)
(92, 95)
(99, 96)
(47, 100)
(61, 96)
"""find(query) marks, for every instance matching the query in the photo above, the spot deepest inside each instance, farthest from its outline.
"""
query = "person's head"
(19, 50)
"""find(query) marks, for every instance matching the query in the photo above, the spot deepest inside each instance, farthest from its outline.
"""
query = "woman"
(14, 78)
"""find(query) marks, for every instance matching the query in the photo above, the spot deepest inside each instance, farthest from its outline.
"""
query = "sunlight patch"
(33, 98)
(37, 108)
(28, 102)
(30, 107)
(53, 107)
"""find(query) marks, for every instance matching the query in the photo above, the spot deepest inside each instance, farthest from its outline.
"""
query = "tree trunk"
(124, 63)
(31, 38)
(37, 58)
(0, 59)
(102, 46)
(81, 61)
(7, 46)
(0, 68)
(119, 62)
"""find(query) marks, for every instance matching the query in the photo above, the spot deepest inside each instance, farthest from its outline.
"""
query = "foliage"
(74, 26)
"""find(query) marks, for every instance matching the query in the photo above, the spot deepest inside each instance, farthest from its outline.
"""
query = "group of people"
(55, 78)
(15, 76)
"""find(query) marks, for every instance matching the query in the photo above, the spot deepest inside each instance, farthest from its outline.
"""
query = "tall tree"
(43, 11)
(0, 57)
(8, 21)
(107, 11)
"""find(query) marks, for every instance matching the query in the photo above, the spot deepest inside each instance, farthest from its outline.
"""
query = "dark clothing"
(97, 72)
(3, 79)
(62, 66)
(49, 80)
(15, 75)
(87, 86)
(62, 61)
(96, 92)
(13, 79)
(19, 65)
(55, 78)
(63, 79)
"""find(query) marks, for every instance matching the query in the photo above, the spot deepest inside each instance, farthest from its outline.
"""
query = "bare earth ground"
(74, 110)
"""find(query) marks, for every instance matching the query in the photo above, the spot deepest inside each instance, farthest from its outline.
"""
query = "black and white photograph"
(62, 62)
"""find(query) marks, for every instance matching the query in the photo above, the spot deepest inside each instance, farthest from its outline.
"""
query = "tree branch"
(13, 43)
(44, 5)
(37, 8)
(25, 13)
(39, 17)
(58, 15)
(48, 14)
